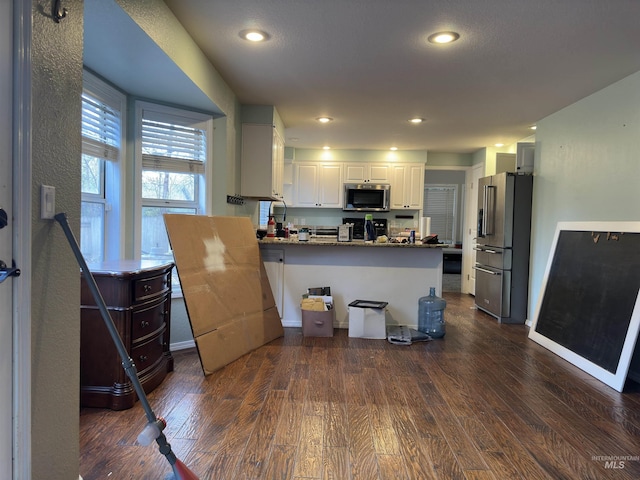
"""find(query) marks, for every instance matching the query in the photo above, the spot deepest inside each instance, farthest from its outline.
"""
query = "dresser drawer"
(149, 320)
(145, 288)
(146, 355)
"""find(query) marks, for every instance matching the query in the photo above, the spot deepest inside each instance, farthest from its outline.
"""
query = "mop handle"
(127, 362)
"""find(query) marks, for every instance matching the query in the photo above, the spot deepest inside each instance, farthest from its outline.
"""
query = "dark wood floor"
(485, 402)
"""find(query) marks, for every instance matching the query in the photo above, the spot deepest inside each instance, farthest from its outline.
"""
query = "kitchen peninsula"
(398, 273)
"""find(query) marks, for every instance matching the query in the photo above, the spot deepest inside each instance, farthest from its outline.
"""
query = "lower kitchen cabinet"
(138, 297)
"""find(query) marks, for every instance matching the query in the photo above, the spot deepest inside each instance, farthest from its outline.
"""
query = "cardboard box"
(226, 291)
(318, 324)
(367, 323)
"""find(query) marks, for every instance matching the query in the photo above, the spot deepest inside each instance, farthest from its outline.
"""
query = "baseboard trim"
(174, 347)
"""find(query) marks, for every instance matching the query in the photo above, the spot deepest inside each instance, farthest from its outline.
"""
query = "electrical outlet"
(47, 202)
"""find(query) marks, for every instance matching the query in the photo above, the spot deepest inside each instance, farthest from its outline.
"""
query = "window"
(265, 207)
(102, 130)
(173, 148)
(440, 204)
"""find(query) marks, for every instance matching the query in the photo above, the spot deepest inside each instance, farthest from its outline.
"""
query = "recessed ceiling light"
(326, 147)
(416, 120)
(254, 35)
(324, 119)
(533, 127)
(499, 145)
(393, 149)
(443, 37)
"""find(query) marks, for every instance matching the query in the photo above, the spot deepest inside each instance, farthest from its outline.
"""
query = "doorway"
(474, 174)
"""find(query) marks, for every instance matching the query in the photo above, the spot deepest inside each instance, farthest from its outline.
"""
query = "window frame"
(114, 176)
(454, 188)
(177, 116)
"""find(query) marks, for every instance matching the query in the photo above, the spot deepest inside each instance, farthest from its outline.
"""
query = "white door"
(471, 229)
(6, 249)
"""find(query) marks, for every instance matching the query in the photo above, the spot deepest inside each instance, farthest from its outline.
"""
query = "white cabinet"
(367, 173)
(317, 184)
(262, 161)
(407, 186)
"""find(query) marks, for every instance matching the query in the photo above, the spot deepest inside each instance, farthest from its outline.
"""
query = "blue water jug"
(431, 314)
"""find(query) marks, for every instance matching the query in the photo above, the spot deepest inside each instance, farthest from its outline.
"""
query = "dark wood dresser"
(138, 297)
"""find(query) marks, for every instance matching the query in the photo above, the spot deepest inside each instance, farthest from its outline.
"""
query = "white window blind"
(100, 129)
(440, 205)
(265, 207)
(173, 148)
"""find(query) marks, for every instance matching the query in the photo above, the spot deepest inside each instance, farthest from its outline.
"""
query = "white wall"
(587, 168)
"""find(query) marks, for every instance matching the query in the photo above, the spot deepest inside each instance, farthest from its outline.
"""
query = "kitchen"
(581, 149)
(393, 224)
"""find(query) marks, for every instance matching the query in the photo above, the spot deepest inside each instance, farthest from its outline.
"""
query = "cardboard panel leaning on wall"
(226, 291)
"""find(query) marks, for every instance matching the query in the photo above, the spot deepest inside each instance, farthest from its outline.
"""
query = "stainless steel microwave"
(366, 197)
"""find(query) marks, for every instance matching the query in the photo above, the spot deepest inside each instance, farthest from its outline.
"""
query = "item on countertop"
(431, 314)
(369, 228)
(430, 240)
(412, 236)
(345, 232)
(303, 234)
(271, 227)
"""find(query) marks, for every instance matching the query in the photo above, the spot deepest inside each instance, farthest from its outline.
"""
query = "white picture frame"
(600, 231)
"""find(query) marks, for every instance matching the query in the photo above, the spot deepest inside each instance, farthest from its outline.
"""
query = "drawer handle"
(143, 358)
(490, 272)
(147, 288)
(144, 324)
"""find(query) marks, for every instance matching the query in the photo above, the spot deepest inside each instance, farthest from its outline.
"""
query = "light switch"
(47, 202)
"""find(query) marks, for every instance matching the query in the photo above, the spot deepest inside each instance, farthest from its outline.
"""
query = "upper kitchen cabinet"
(407, 186)
(317, 184)
(262, 162)
(367, 173)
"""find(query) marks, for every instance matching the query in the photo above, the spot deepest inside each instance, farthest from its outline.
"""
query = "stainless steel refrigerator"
(502, 248)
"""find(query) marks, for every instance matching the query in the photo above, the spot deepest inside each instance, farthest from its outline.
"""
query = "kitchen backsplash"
(333, 217)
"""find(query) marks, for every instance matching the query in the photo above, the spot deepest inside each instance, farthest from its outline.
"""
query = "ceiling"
(367, 64)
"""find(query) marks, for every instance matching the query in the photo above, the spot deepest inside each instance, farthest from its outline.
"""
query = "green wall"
(56, 74)
(587, 168)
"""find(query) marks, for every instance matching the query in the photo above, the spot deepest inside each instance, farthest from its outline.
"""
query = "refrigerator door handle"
(484, 215)
(490, 272)
(489, 210)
